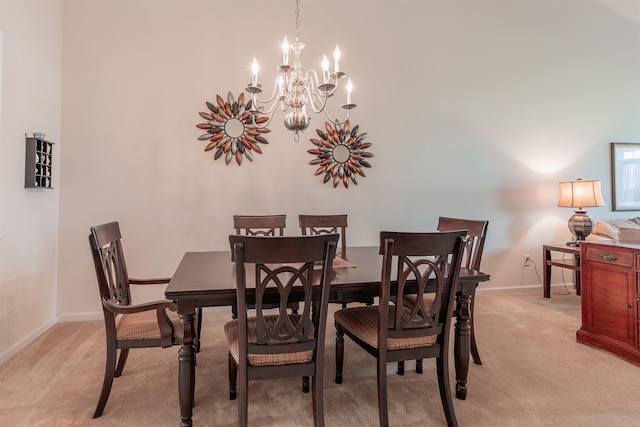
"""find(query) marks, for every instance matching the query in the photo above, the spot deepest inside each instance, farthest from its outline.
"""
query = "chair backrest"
(109, 263)
(285, 264)
(425, 262)
(259, 225)
(325, 224)
(476, 235)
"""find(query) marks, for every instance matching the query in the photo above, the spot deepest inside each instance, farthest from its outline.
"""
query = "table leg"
(546, 256)
(186, 361)
(462, 342)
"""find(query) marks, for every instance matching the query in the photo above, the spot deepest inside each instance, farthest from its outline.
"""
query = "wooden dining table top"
(209, 277)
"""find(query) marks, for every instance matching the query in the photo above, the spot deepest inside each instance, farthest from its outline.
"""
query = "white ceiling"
(626, 8)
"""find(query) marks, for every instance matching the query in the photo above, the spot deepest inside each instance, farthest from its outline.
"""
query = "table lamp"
(580, 194)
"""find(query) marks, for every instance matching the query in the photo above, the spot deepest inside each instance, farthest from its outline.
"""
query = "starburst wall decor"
(340, 153)
(232, 130)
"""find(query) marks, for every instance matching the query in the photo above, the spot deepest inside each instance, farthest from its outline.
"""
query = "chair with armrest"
(476, 236)
(325, 224)
(283, 344)
(128, 325)
(412, 263)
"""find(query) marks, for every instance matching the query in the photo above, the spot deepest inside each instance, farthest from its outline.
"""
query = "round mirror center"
(341, 153)
(234, 128)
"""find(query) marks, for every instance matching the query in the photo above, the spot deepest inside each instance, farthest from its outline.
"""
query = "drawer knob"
(609, 257)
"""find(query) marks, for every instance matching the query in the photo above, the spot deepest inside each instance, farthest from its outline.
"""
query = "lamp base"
(580, 225)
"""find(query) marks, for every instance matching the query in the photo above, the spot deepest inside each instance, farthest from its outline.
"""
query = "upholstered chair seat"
(266, 359)
(144, 326)
(363, 323)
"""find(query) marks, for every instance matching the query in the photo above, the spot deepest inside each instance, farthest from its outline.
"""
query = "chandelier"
(298, 92)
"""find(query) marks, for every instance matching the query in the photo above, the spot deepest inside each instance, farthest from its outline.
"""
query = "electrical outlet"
(11, 303)
(526, 260)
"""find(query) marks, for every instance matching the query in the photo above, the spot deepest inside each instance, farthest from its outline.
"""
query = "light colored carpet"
(534, 374)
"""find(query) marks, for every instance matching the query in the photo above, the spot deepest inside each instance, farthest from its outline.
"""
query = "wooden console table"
(610, 298)
(572, 263)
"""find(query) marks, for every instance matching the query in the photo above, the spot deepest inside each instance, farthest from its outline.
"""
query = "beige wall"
(474, 108)
(30, 99)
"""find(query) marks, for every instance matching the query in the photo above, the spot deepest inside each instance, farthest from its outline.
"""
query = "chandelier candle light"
(296, 90)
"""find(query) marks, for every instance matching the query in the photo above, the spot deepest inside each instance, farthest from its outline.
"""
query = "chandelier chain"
(297, 19)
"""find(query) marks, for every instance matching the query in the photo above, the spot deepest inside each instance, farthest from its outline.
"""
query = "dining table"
(207, 279)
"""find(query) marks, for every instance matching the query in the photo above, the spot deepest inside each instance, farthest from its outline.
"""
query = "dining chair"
(412, 263)
(127, 325)
(280, 345)
(325, 224)
(474, 246)
(259, 225)
(263, 226)
(472, 256)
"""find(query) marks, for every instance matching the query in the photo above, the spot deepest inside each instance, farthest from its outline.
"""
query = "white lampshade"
(580, 194)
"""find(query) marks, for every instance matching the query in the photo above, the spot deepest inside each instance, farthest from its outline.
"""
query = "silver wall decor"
(340, 153)
(232, 130)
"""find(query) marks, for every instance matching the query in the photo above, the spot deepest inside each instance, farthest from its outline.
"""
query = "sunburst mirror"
(340, 153)
(231, 129)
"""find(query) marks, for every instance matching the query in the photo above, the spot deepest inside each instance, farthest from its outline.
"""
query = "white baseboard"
(97, 315)
(25, 341)
(80, 317)
(515, 289)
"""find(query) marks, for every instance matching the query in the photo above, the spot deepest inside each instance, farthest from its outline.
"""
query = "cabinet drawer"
(638, 261)
(610, 256)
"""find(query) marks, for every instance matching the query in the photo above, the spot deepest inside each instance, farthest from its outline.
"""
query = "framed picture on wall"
(625, 176)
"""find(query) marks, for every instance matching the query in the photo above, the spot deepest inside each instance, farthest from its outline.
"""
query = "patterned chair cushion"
(231, 332)
(363, 323)
(144, 325)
